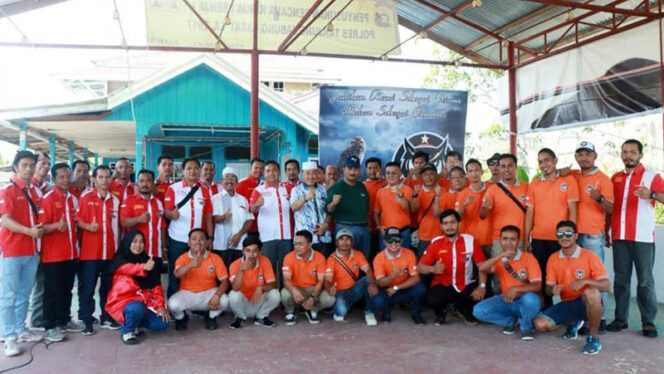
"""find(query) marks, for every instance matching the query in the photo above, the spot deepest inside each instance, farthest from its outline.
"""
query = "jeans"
(542, 249)
(136, 314)
(495, 310)
(346, 298)
(414, 297)
(18, 277)
(175, 250)
(405, 239)
(87, 282)
(595, 243)
(276, 250)
(58, 282)
(643, 256)
(361, 238)
(228, 256)
(36, 308)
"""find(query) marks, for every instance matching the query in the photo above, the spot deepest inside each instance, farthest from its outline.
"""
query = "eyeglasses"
(393, 240)
(566, 234)
(492, 163)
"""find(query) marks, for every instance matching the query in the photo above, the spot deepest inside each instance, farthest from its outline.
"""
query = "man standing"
(122, 187)
(551, 198)
(636, 189)
(373, 183)
(595, 202)
(271, 202)
(303, 275)
(307, 201)
(425, 197)
(246, 186)
(414, 178)
(208, 172)
(292, 169)
(81, 178)
(452, 159)
(393, 205)
(230, 213)
(468, 204)
(19, 240)
(36, 309)
(165, 170)
(41, 172)
(146, 213)
(493, 163)
(331, 175)
(451, 259)
(521, 281)
(348, 202)
(59, 254)
(577, 276)
(97, 216)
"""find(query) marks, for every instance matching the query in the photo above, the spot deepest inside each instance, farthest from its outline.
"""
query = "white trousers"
(196, 301)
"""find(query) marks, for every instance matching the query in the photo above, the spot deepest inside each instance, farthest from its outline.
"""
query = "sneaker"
(210, 323)
(38, 327)
(111, 325)
(649, 330)
(592, 347)
(572, 332)
(54, 335)
(338, 318)
(11, 348)
(440, 319)
(370, 319)
(510, 328)
(387, 317)
(312, 316)
(181, 324)
(74, 326)
(30, 337)
(289, 320)
(88, 330)
(139, 332)
(265, 322)
(602, 327)
(129, 338)
(418, 320)
(528, 335)
(616, 325)
(237, 323)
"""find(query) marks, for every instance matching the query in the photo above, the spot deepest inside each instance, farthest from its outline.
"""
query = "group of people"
(498, 251)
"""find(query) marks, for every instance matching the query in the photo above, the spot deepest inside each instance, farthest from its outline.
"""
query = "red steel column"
(511, 76)
(253, 138)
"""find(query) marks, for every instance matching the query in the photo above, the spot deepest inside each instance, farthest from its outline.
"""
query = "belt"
(352, 223)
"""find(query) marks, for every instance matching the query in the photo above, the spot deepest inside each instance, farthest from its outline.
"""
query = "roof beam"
(597, 8)
(299, 24)
(26, 6)
(303, 29)
(204, 22)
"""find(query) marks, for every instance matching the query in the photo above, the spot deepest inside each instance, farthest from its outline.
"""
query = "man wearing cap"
(342, 279)
(595, 202)
(348, 202)
(231, 217)
(493, 163)
(308, 204)
(398, 279)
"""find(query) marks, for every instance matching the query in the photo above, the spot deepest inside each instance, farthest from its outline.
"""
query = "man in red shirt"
(36, 309)
(636, 190)
(19, 236)
(246, 186)
(41, 172)
(451, 258)
(208, 172)
(122, 187)
(80, 178)
(97, 216)
(165, 170)
(292, 170)
(59, 254)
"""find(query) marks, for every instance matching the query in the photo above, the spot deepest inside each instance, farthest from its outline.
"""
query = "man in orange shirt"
(469, 203)
(577, 276)
(393, 205)
(414, 178)
(303, 274)
(254, 292)
(199, 271)
(398, 280)
(521, 281)
(493, 164)
(425, 197)
(342, 278)
(373, 183)
(452, 159)
(551, 198)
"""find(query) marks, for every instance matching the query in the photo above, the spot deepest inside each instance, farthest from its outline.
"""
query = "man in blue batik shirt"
(308, 203)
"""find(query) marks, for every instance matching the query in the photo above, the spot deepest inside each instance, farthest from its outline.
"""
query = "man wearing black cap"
(494, 167)
(348, 202)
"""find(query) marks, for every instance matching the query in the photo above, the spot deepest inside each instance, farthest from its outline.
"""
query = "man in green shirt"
(348, 203)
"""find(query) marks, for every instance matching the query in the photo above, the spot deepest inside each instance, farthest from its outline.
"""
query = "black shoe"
(585, 330)
(509, 329)
(616, 325)
(649, 330)
(440, 320)
(181, 324)
(602, 327)
(419, 320)
(88, 330)
(237, 323)
(265, 322)
(110, 325)
(387, 317)
(210, 322)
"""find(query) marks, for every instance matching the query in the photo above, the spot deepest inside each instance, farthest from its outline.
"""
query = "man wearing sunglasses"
(576, 275)
(398, 280)
(493, 164)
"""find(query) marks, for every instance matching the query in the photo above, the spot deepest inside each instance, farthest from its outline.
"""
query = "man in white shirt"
(230, 213)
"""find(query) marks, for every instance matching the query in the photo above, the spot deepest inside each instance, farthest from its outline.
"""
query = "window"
(201, 153)
(175, 151)
(278, 86)
(237, 153)
(313, 145)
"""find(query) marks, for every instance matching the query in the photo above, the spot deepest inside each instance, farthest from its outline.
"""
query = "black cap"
(392, 232)
(428, 167)
(495, 157)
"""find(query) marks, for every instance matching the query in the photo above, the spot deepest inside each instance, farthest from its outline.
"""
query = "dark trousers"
(58, 282)
(175, 250)
(374, 246)
(324, 248)
(642, 255)
(413, 297)
(440, 295)
(542, 249)
(229, 256)
(88, 273)
(276, 250)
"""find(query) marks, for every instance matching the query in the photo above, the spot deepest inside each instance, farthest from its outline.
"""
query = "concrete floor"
(349, 347)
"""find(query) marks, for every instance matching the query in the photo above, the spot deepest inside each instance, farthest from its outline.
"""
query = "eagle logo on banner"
(431, 143)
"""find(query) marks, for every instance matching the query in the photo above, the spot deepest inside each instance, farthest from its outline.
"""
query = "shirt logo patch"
(211, 270)
(260, 277)
(589, 188)
(314, 272)
(619, 179)
(58, 204)
(580, 274)
(523, 273)
(563, 186)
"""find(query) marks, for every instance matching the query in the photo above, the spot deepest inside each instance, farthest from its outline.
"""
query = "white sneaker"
(30, 337)
(338, 318)
(11, 348)
(370, 319)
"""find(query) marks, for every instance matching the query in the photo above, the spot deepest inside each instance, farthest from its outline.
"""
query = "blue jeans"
(405, 239)
(414, 297)
(566, 312)
(361, 238)
(89, 271)
(18, 277)
(346, 298)
(136, 314)
(596, 243)
(175, 250)
(495, 310)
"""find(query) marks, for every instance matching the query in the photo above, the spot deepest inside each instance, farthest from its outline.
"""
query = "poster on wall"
(390, 123)
(607, 80)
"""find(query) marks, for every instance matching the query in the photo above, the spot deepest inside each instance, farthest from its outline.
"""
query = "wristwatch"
(482, 285)
(601, 199)
(653, 195)
(395, 288)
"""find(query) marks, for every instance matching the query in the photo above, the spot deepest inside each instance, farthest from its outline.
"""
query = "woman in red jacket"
(136, 298)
